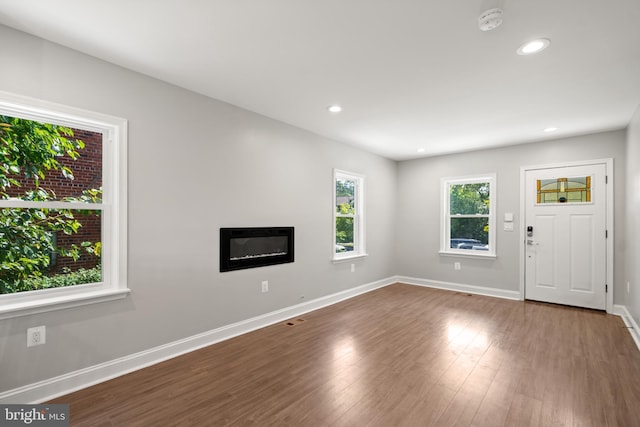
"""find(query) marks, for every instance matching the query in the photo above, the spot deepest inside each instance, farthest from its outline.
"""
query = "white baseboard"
(460, 287)
(629, 321)
(83, 378)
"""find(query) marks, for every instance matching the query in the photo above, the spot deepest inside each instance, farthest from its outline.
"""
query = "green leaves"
(347, 208)
(344, 230)
(466, 200)
(67, 172)
(469, 199)
(345, 205)
(29, 150)
(27, 242)
(68, 278)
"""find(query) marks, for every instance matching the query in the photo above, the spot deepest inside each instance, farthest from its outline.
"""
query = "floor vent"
(294, 322)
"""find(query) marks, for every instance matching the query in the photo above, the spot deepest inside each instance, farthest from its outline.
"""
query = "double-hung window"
(62, 206)
(348, 215)
(468, 216)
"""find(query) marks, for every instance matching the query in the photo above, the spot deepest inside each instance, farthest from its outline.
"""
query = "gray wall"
(632, 298)
(419, 207)
(195, 165)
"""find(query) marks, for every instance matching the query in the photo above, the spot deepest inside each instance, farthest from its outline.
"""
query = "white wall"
(419, 207)
(195, 165)
(632, 299)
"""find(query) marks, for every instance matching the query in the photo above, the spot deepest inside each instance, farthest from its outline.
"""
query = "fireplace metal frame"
(227, 234)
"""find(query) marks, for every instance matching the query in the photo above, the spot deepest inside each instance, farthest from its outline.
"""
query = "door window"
(564, 190)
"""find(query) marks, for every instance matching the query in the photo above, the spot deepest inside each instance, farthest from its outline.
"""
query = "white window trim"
(359, 218)
(114, 208)
(445, 222)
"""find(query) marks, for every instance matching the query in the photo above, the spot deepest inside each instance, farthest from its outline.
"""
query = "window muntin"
(348, 231)
(468, 220)
(86, 189)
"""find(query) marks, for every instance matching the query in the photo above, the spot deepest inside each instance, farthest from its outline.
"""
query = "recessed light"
(421, 150)
(534, 46)
(551, 129)
(334, 108)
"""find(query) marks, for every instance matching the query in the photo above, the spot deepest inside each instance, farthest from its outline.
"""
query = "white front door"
(565, 246)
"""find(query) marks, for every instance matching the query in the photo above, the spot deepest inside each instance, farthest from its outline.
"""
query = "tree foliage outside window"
(470, 199)
(348, 215)
(468, 215)
(30, 151)
(345, 210)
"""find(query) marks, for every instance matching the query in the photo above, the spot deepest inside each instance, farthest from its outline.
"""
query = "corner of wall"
(631, 282)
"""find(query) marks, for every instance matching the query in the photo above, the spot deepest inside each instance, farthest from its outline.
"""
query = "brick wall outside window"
(87, 172)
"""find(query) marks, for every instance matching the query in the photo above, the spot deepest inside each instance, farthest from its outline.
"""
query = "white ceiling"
(410, 74)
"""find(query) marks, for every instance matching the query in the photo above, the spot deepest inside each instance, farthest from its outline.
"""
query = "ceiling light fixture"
(534, 46)
(334, 108)
(551, 129)
(421, 150)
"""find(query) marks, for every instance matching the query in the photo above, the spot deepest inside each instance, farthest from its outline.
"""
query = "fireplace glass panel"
(258, 247)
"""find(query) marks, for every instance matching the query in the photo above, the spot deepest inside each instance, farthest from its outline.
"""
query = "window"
(62, 207)
(348, 215)
(468, 216)
(564, 190)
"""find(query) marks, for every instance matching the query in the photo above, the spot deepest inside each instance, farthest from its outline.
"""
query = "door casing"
(609, 213)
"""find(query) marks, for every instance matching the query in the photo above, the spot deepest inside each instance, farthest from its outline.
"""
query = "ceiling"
(409, 74)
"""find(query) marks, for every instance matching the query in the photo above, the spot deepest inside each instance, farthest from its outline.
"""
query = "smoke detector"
(490, 19)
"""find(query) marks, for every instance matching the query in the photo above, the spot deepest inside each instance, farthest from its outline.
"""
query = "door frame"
(608, 162)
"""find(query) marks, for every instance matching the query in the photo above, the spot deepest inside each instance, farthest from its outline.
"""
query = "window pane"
(41, 161)
(469, 233)
(345, 196)
(564, 190)
(344, 234)
(469, 199)
(46, 248)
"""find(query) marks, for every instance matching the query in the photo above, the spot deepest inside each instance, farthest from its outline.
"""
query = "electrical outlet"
(265, 286)
(457, 266)
(353, 268)
(36, 336)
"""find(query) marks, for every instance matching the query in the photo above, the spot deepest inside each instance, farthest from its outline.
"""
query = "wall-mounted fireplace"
(251, 247)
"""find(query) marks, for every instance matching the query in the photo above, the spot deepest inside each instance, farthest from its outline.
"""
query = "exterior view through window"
(469, 216)
(348, 215)
(50, 205)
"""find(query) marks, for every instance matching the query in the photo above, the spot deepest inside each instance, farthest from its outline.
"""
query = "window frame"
(445, 215)
(359, 239)
(113, 207)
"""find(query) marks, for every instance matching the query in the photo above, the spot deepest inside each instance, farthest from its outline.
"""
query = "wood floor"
(399, 356)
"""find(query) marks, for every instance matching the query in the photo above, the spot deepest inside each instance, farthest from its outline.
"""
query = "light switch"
(508, 217)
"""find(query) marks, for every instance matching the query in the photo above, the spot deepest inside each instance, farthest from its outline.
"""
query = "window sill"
(336, 260)
(468, 255)
(41, 305)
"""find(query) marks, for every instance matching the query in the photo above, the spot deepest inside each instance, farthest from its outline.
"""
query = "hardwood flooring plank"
(524, 411)
(399, 356)
(464, 406)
